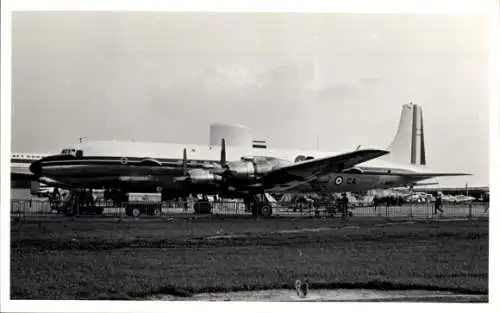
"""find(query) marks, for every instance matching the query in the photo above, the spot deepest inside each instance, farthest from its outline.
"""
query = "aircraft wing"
(298, 173)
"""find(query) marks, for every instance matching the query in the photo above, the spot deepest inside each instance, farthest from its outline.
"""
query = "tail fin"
(408, 146)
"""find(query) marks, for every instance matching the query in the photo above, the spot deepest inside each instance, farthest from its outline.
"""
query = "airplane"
(21, 176)
(242, 172)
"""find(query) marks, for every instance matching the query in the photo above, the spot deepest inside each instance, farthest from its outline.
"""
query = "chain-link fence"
(34, 208)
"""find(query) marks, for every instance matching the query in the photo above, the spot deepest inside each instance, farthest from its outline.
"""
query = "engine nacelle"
(201, 176)
(253, 167)
(241, 169)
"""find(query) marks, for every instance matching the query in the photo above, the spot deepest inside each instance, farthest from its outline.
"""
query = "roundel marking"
(123, 161)
(338, 180)
(300, 158)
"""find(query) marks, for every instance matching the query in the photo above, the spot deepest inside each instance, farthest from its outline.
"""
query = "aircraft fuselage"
(99, 172)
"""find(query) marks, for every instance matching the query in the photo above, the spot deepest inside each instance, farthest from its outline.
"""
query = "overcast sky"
(163, 76)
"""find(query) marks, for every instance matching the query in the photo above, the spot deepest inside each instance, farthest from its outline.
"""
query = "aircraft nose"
(36, 168)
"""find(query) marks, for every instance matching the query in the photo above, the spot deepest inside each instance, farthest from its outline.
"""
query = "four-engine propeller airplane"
(132, 166)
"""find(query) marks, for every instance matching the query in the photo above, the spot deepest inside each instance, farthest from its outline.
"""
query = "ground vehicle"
(143, 203)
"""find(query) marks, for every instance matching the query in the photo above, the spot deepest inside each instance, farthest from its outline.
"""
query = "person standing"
(438, 204)
(344, 204)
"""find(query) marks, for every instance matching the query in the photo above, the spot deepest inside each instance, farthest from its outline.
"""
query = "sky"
(299, 80)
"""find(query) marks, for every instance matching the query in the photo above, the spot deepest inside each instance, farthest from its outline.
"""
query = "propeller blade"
(184, 162)
(223, 152)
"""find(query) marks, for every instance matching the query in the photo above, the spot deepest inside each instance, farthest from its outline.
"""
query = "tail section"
(408, 146)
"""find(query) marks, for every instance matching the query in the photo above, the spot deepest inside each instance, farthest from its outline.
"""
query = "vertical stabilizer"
(408, 146)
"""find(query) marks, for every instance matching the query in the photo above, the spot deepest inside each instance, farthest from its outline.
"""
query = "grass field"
(110, 259)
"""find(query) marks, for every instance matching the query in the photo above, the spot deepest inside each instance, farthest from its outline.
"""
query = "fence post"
(470, 210)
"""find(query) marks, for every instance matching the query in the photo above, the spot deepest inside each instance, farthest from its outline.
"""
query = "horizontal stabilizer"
(416, 175)
(435, 174)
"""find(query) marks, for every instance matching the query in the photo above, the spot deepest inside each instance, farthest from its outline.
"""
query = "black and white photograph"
(170, 156)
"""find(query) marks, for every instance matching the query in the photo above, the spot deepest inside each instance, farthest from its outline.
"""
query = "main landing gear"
(81, 201)
(259, 205)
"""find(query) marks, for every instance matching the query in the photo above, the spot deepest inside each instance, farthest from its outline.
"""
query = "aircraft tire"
(136, 212)
(266, 210)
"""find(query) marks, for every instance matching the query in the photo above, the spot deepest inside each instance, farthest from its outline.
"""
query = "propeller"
(184, 175)
(222, 171)
(223, 152)
(184, 162)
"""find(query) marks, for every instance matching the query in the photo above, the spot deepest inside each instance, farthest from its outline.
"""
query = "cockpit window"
(67, 151)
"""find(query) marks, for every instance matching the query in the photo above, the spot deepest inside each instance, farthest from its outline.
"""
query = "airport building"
(234, 134)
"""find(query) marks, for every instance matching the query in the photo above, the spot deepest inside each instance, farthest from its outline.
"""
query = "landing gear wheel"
(136, 212)
(258, 207)
(266, 210)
